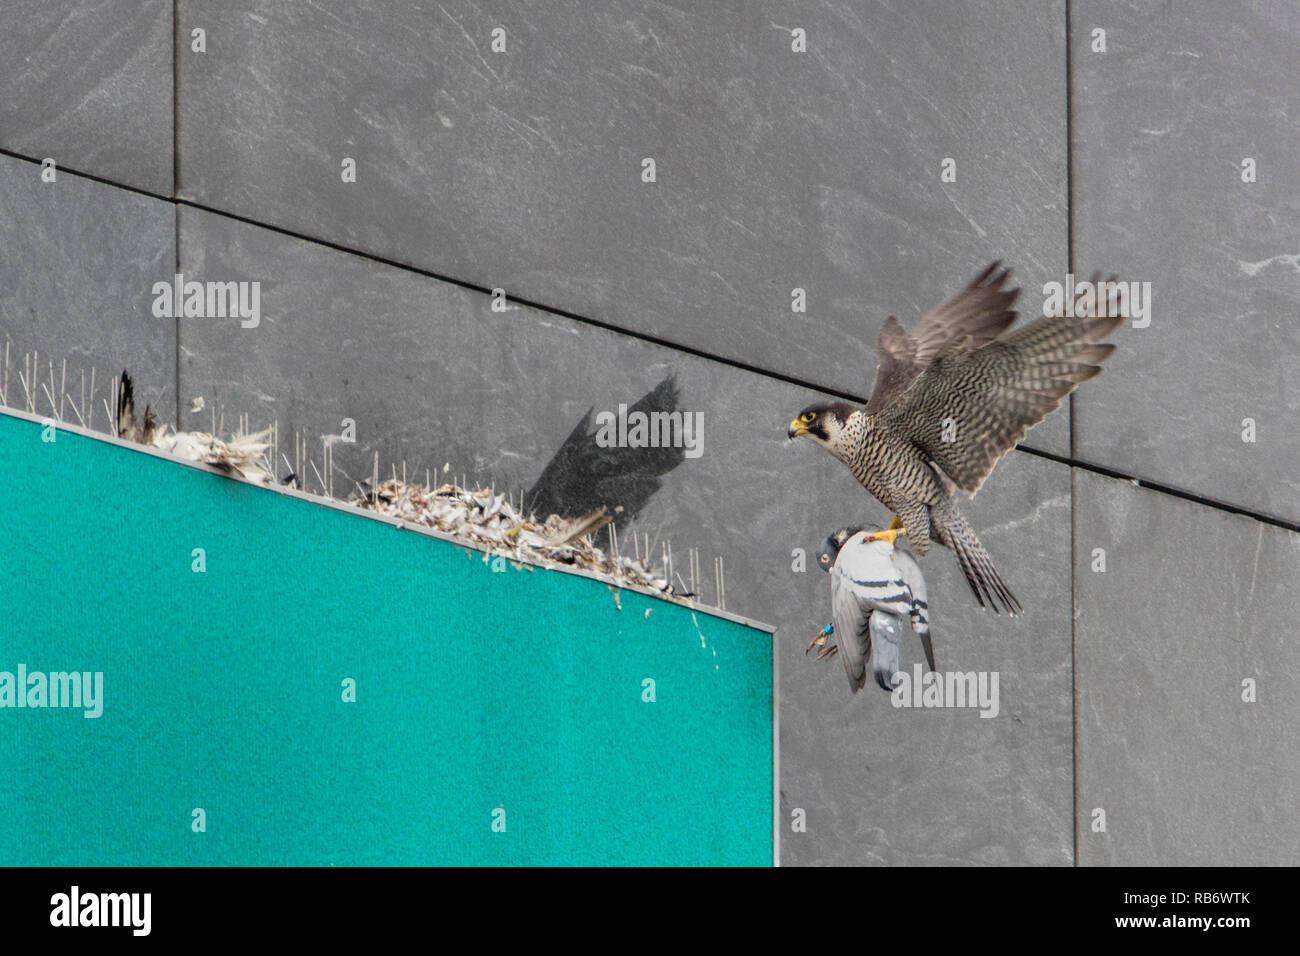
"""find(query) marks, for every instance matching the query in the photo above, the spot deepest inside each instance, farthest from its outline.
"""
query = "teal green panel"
(476, 689)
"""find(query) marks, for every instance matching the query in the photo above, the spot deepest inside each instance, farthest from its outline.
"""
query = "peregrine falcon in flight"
(877, 595)
(952, 397)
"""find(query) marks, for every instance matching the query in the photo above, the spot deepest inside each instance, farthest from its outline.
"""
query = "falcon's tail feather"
(976, 563)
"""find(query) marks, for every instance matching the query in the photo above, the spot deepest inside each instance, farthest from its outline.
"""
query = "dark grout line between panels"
(450, 280)
(1068, 460)
(1074, 484)
(1147, 483)
(176, 99)
(176, 184)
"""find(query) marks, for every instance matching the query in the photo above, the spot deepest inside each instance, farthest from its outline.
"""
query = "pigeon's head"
(821, 422)
(830, 549)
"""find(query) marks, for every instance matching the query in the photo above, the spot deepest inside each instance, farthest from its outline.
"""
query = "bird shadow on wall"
(582, 476)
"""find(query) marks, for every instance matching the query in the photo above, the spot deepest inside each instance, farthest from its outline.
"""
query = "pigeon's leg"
(819, 641)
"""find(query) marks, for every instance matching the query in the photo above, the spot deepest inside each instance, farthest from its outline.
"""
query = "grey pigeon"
(877, 595)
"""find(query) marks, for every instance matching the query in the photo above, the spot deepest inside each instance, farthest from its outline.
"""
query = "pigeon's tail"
(886, 636)
(989, 588)
(928, 645)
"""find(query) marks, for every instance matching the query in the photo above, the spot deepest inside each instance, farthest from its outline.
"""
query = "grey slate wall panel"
(775, 169)
(90, 85)
(1192, 602)
(431, 375)
(80, 262)
(1163, 120)
(946, 787)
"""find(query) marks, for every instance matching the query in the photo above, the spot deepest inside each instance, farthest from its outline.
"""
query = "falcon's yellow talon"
(890, 534)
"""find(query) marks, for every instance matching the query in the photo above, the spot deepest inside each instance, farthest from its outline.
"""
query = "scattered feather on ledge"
(492, 522)
(480, 517)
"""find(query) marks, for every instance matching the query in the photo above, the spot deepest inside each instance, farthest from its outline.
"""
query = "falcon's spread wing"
(980, 392)
(977, 314)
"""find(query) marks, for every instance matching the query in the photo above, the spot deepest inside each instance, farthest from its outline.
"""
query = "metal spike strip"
(318, 475)
(643, 546)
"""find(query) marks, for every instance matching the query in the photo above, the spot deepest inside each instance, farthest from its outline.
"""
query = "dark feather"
(976, 315)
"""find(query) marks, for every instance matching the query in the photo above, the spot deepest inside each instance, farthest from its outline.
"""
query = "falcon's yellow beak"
(796, 429)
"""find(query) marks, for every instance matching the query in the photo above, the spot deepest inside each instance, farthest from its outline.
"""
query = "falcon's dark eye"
(824, 558)
(807, 416)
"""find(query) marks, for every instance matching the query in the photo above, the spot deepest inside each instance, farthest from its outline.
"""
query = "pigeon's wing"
(851, 629)
(976, 315)
(867, 583)
(886, 639)
(910, 572)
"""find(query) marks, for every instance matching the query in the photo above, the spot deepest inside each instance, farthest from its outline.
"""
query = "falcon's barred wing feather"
(896, 366)
(974, 316)
(980, 313)
(990, 396)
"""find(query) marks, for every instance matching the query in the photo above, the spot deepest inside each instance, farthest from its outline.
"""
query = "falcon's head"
(822, 422)
(830, 549)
